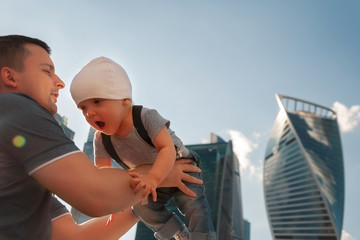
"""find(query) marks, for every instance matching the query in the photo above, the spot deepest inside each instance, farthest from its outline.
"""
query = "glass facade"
(89, 151)
(247, 227)
(222, 183)
(304, 173)
(63, 123)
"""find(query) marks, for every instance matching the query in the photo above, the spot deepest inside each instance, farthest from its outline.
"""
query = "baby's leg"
(155, 216)
(197, 214)
(196, 210)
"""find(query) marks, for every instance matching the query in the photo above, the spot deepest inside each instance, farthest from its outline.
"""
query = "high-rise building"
(62, 120)
(247, 227)
(304, 172)
(222, 183)
(89, 151)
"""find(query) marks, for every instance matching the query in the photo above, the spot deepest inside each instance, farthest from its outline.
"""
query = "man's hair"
(13, 51)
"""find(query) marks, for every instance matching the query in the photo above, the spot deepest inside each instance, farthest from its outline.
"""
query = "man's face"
(38, 79)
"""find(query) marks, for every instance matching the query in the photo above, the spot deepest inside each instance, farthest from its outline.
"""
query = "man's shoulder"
(18, 108)
(20, 105)
(16, 99)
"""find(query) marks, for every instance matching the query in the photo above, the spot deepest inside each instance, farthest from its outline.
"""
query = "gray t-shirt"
(132, 149)
(30, 138)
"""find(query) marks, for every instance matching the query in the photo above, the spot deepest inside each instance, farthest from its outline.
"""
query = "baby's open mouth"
(100, 124)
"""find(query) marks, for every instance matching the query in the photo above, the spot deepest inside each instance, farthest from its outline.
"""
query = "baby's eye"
(96, 101)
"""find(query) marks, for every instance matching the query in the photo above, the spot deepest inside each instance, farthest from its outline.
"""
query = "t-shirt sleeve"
(32, 136)
(99, 149)
(57, 209)
(153, 122)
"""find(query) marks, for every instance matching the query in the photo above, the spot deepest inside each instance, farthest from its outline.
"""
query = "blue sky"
(214, 66)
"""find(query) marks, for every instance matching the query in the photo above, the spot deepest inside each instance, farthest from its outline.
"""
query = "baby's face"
(105, 115)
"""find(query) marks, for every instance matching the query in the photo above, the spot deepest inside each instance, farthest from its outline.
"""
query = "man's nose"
(59, 83)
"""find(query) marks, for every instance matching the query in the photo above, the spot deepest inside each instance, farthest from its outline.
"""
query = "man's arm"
(95, 192)
(94, 229)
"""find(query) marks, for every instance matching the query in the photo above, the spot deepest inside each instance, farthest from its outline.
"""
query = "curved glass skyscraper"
(304, 173)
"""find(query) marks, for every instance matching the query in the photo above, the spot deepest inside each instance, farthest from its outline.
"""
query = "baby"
(133, 136)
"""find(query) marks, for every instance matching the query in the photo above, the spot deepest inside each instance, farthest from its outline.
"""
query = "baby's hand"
(148, 183)
(134, 181)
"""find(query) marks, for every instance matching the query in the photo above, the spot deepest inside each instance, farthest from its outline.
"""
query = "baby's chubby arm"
(162, 165)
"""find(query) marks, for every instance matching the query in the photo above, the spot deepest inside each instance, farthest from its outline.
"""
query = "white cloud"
(243, 147)
(346, 236)
(348, 119)
(205, 140)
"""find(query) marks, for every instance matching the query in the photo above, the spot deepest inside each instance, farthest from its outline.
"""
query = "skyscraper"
(222, 183)
(62, 120)
(304, 173)
(247, 227)
(89, 151)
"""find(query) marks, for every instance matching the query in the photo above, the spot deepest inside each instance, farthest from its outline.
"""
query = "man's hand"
(175, 178)
(148, 184)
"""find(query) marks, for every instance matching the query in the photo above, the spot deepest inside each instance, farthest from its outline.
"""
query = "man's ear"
(8, 77)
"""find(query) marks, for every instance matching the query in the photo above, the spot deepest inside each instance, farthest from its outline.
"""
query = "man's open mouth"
(100, 124)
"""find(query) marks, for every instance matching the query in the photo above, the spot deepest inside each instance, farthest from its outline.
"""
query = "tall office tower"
(88, 146)
(247, 227)
(88, 150)
(63, 123)
(222, 182)
(304, 173)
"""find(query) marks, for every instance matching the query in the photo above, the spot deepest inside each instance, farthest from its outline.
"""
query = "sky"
(214, 67)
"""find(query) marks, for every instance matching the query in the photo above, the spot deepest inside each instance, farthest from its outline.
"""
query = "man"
(37, 159)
